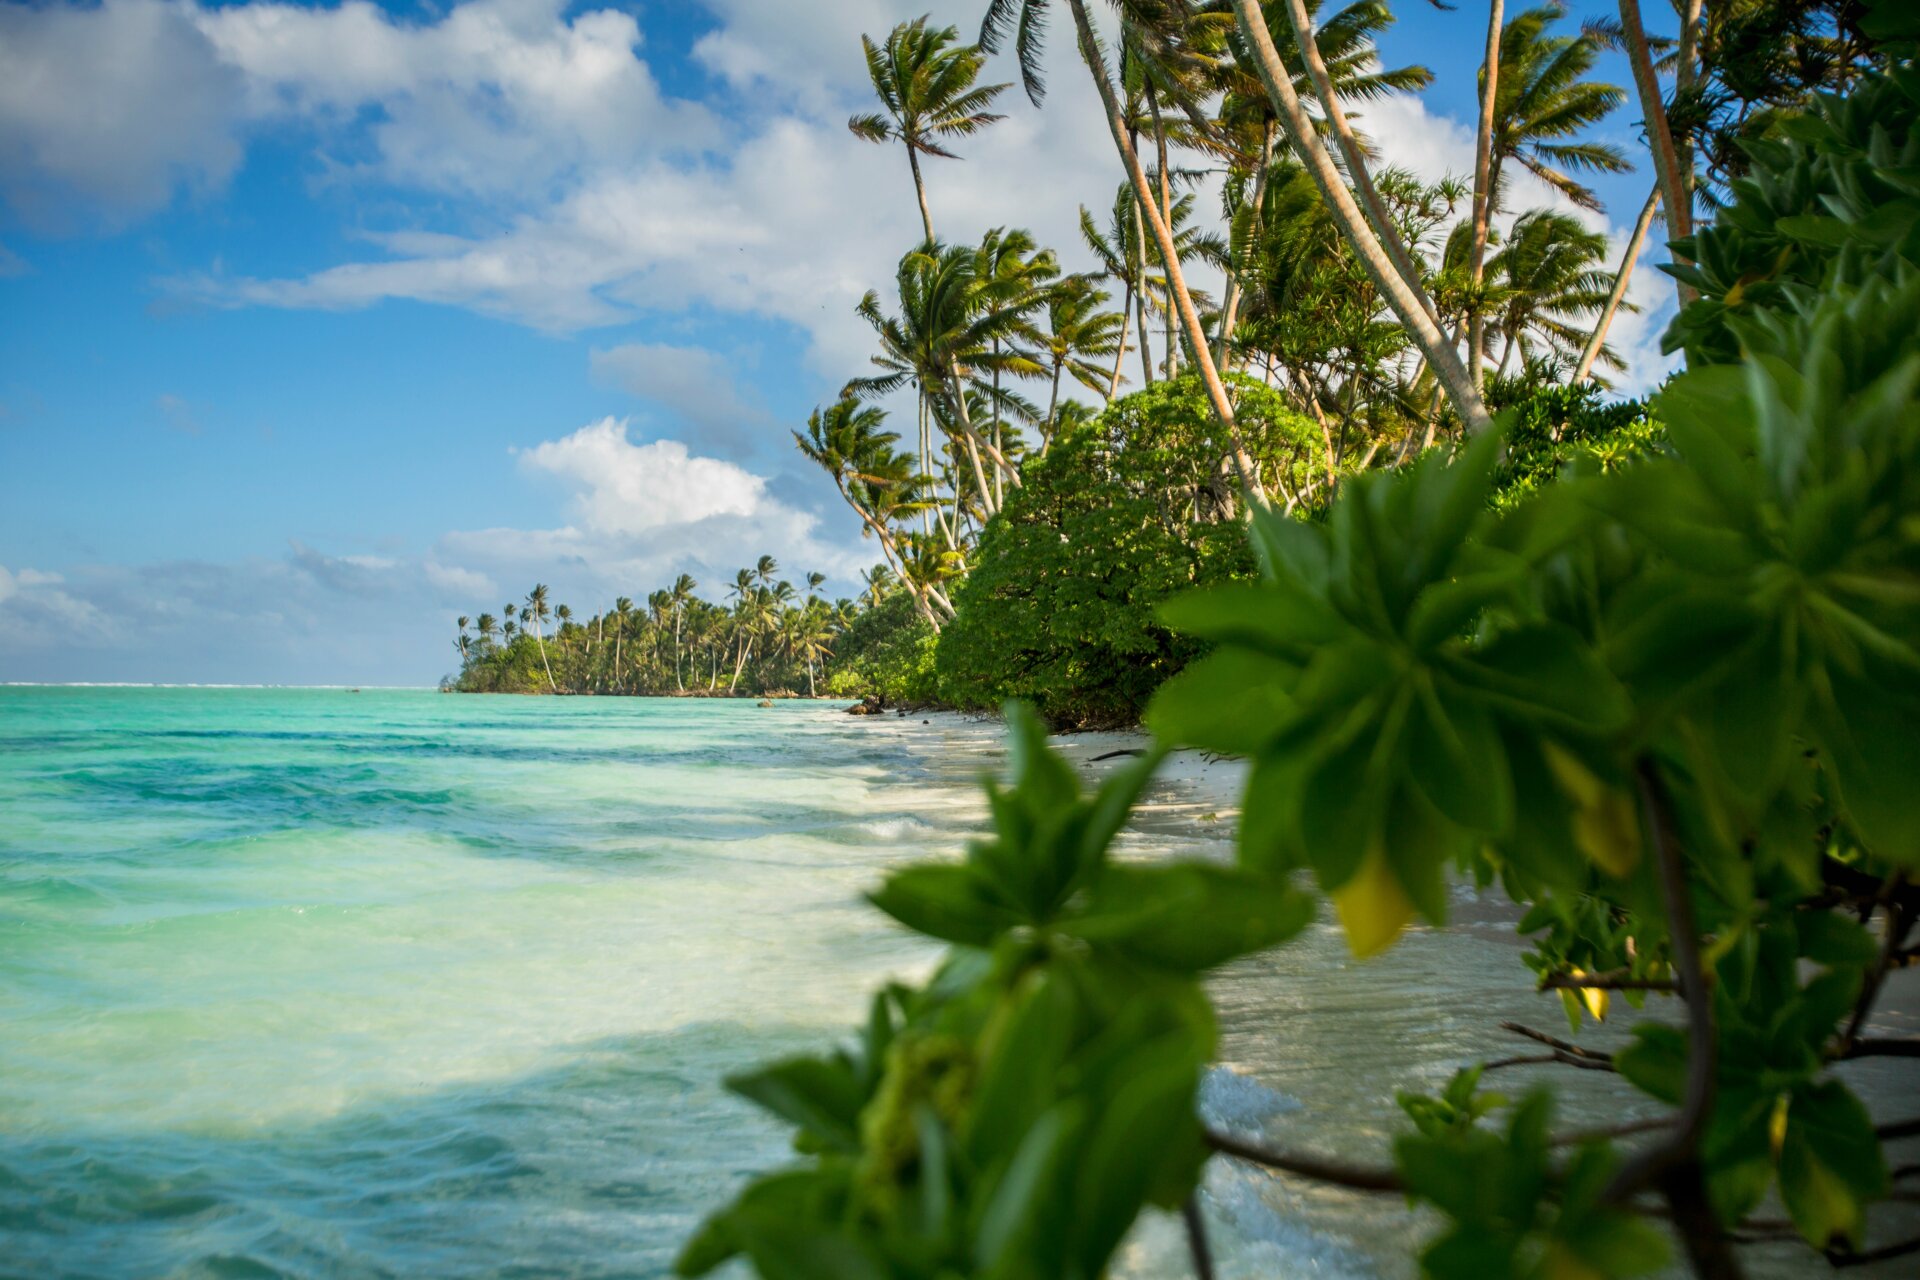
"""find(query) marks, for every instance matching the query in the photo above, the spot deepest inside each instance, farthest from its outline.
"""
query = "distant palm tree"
(536, 609)
(925, 80)
(622, 614)
(680, 593)
(1079, 330)
(814, 581)
(1551, 274)
(461, 642)
(484, 625)
(764, 570)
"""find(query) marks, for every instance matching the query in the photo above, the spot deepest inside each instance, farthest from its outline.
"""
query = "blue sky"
(320, 325)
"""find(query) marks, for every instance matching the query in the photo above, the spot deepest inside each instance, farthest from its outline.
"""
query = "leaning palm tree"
(536, 610)
(622, 614)
(925, 80)
(1025, 21)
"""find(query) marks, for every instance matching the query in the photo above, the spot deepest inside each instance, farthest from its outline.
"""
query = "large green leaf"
(1545, 671)
(1191, 917)
(1830, 1164)
(1234, 701)
(946, 901)
(821, 1095)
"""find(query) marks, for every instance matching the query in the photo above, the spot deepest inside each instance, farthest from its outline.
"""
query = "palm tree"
(944, 339)
(765, 568)
(1673, 176)
(1026, 20)
(1079, 330)
(680, 593)
(1621, 276)
(484, 627)
(1541, 101)
(1406, 298)
(814, 581)
(1551, 272)
(536, 609)
(925, 80)
(622, 615)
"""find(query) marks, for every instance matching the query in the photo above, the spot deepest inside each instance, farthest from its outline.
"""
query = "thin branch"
(1847, 1258)
(1898, 1129)
(1552, 1055)
(1356, 1177)
(1884, 1047)
(1197, 1237)
(1897, 922)
(1555, 1042)
(1684, 935)
(1650, 1125)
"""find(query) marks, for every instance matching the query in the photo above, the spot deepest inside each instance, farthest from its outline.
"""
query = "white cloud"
(625, 488)
(115, 107)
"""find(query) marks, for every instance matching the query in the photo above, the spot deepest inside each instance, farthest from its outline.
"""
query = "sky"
(323, 324)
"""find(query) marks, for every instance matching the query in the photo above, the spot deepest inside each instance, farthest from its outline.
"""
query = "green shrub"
(1549, 429)
(1832, 201)
(886, 651)
(1133, 507)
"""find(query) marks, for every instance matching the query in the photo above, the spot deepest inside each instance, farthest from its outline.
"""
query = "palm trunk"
(1683, 82)
(1176, 282)
(1483, 187)
(1666, 162)
(1120, 355)
(678, 615)
(920, 191)
(1357, 172)
(1620, 278)
(1230, 308)
(976, 446)
(1413, 308)
(542, 642)
(999, 493)
(1053, 406)
(1140, 272)
(1166, 215)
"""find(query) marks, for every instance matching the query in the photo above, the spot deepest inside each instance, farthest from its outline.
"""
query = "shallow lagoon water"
(318, 983)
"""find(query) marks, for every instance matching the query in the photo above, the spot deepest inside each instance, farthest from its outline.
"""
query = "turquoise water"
(319, 983)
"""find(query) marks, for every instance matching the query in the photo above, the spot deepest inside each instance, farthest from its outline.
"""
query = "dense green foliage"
(1671, 705)
(1832, 199)
(1122, 513)
(1552, 428)
(772, 640)
(886, 652)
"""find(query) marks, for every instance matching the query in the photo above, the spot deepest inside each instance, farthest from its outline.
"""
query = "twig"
(1627, 1130)
(1848, 1258)
(1553, 1055)
(1896, 1129)
(1357, 1177)
(1898, 921)
(1197, 1237)
(1555, 1042)
(1884, 1047)
(1674, 1163)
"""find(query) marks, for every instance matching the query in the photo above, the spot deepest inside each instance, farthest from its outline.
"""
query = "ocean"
(393, 983)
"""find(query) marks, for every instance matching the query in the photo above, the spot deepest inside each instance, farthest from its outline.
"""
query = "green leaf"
(946, 901)
(821, 1095)
(1022, 1210)
(1830, 1164)
(1872, 738)
(1279, 620)
(1290, 551)
(1545, 671)
(1456, 759)
(1147, 1123)
(1191, 917)
(1340, 809)
(1233, 701)
(1655, 1061)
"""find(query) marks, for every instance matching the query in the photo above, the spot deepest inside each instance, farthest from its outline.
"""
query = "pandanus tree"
(925, 79)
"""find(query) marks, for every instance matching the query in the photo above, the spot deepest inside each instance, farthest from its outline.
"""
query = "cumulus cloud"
(112, 108)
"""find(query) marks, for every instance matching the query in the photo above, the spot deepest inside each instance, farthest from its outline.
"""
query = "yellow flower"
(1372, 906)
